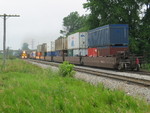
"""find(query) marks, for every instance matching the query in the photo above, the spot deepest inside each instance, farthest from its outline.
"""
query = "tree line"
(135, 13)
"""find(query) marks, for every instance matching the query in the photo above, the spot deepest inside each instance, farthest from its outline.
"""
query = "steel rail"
(115, 76)
(134, 80)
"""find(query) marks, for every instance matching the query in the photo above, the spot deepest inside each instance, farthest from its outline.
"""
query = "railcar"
(104, 47)
(122, 61)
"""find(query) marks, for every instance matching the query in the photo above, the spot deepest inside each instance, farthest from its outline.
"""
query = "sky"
(40, 21)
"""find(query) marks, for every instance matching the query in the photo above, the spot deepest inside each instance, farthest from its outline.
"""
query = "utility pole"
(4, 16)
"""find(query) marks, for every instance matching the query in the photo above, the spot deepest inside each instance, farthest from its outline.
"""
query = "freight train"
(104, 47)
(24, 55)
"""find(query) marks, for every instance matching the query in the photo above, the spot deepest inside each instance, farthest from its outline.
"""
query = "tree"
(105, 12)
(72, 23)
(112, 12)
(25, 46)
(144, 31)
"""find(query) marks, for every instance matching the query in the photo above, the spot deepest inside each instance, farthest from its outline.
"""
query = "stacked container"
(109, 39)
(44, 49)
(80, 52)
(77, 44)
(70, 52)
(39, 48)
(92, 52)
(51, 48)
(50, 51)
(61, 46)
(33, 54)
(111, 50)
(39, 52)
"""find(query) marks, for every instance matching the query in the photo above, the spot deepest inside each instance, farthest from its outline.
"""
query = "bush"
(146, 66)
(66, 69)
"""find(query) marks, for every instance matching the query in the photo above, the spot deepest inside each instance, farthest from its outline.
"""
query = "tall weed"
(66, 69)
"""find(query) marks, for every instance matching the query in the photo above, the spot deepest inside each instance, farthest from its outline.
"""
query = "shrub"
(66, 69)
(146, 66)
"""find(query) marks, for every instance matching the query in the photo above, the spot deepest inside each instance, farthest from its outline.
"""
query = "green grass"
(26, 88)
(0, 56)
(146, 67)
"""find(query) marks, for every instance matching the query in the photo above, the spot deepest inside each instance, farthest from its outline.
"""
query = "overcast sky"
(40, 20)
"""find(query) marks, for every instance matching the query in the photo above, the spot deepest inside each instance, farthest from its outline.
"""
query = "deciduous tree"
(72, 23)
(25, 46)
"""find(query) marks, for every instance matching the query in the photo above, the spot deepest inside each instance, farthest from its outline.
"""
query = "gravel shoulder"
(130, 89)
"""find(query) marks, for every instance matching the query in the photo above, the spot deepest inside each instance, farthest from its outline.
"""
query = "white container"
(51, 46)
(33, 54)
(78, 40)
(80, 52)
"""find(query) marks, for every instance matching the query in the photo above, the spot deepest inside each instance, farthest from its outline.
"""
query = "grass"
(146, 67)
(26, 88)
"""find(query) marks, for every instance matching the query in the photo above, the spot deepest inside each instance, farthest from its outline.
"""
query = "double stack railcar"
(104, 47)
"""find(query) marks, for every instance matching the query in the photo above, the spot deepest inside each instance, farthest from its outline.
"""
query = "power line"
(4, 16)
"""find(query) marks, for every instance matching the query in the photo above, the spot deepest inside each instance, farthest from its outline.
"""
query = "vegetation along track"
(135, 80)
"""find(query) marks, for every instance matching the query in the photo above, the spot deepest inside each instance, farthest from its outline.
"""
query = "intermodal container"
(78, 40)
(80, 52)
(70, 52)
(44, 47)
(92, 52)
(39, 48)
(111, 50)
(52, 53)
(51, 46)
(57, 53)
(44, 54)
(61, 53)
(61, 44)
(38, 53)
(113, 34)
(33, 54)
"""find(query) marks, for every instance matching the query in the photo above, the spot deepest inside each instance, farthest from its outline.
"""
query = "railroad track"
(114, 76)
(141, 72)
(128, 79)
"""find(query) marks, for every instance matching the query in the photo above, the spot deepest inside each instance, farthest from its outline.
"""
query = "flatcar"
(121, 61)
